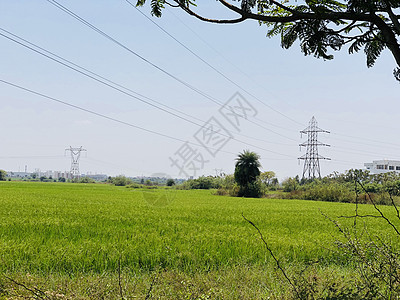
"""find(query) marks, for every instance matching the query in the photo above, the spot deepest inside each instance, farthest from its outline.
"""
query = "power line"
(109, 83)
(89, 111)
(211, 66)
(241, 71)
(129, 124)
(394, 146)
(32, 157)
(198, 124)
(204, 61)
(200, 92)
(92, 74)
(58, 5)
(112, 82)
(97, 75)
(360, 152)
(99, 31)
(85, 72)
(367, 139)
(344, 162)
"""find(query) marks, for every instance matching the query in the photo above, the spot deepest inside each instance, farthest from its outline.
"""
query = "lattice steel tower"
(311, 159)
(75, 155)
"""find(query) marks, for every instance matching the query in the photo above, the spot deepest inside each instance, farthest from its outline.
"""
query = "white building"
(59, 174)
(18, 174)
(383, 166)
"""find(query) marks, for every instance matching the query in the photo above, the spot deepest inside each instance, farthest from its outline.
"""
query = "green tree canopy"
(319, 25)
(247, 167)
(121, 180)
(3, 175)
(170, 182)
(247, 170)
(268, 177)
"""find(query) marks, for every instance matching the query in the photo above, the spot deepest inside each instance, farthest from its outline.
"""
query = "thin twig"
(38, 293)
(148, 295)
(395, 206)
(359, 216)
(377, 208)
(273, 256)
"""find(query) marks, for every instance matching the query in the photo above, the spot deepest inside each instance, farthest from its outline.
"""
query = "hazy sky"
(232, 66)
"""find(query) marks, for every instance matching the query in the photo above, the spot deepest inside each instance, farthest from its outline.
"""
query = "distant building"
(18, 174)
(383, 166)
(53, 175)
(59, 174)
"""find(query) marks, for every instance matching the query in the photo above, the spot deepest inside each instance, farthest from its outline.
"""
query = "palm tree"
(246, 173)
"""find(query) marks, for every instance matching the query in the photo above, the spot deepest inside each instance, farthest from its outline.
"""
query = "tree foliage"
(291, 184)
(247, 167)
(120, 180)
(247, 170)
(170, 182)
(319, 25)
(3, 175)
(201, 183)
(86, 180)
(269, 179)
(355, 185)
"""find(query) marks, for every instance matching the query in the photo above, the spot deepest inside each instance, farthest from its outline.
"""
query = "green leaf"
(372, 50)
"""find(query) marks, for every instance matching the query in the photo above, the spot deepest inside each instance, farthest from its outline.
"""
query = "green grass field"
(59, 231)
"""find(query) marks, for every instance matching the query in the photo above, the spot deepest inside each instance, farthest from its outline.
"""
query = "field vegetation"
(97, 240)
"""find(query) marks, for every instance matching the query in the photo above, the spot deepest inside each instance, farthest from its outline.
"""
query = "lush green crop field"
(78, 229)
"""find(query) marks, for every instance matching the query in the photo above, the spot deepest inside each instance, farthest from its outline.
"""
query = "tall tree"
(268, 178)
(247, 170)
(319, 25)
(3, 175)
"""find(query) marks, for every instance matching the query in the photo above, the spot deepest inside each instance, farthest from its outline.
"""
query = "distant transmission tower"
(75, 155)
(311, 159)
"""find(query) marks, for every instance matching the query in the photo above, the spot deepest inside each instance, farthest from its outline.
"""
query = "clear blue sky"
(359, 106)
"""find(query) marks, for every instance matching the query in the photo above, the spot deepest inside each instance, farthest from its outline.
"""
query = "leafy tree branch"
(319, 25)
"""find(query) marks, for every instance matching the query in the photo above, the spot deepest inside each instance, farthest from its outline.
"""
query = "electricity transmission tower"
(75, 155)
(311, 158)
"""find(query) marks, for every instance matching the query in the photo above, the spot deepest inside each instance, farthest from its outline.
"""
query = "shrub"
(291, 184)
(3, 175)
(342, 188)
(269, 180)
(251, 190)
(227, 186)
(373, 187)
(135, 186)
(86, 180)
(202, 183)
(374, 259)
(392, 187)
(121, 180)
(170, 182)
(328, 192)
